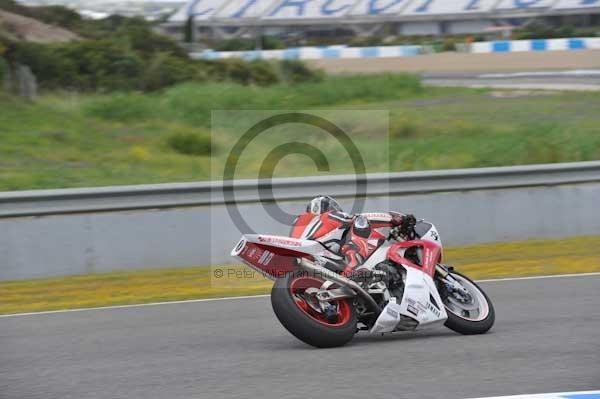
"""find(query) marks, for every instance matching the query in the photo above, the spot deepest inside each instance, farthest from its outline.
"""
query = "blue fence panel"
(291, 54)
(500, 47)
(406, 51)
(539, 45)
(368, 52)
(330, 53)
(576, 44)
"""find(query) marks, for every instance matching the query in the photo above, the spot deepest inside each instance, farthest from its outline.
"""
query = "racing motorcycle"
(402, 285)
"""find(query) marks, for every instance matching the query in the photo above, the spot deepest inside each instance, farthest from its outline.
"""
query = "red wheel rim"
(299, 285)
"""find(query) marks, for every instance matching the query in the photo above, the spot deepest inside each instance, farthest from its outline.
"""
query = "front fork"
(451, 285)
(443, 270)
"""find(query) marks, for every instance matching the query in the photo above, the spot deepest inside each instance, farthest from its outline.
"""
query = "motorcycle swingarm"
(334, 294)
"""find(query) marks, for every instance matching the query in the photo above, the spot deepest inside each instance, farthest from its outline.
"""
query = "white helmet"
(322, 204)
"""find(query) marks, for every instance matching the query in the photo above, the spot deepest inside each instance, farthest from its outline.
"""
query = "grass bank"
(70, 140)
(516, 259)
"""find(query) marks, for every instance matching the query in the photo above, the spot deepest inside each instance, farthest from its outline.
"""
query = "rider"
(351, 236)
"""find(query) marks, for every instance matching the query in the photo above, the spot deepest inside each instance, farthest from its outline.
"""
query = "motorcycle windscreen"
(272, 262)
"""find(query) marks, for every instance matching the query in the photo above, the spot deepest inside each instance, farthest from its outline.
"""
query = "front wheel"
(299, 312)
(470, 310)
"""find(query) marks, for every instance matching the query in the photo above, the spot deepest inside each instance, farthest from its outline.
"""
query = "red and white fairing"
(274, 256)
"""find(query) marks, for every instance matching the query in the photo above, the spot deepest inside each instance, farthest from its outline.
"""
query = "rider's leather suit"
(354, 237)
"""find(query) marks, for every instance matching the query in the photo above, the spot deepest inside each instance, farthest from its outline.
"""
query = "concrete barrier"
(64, 232)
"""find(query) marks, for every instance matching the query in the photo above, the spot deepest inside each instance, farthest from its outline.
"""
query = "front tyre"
(298, 312)
(469, 312)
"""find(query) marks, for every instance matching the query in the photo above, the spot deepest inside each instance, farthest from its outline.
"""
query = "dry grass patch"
(515, 259)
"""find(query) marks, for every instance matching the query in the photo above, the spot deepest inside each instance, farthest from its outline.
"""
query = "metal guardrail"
(164, 196)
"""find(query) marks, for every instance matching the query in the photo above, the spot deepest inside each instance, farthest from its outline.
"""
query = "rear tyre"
(470, 322)
(292, 308)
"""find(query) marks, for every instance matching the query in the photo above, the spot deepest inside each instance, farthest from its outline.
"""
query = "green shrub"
(147, 43)
(542, 30)
(3, 67)
(272, 43)
(165, 70)
(107, 65)
(236, 44)
(240, 44)
(124, 54)
(83, 65)
(262, 73)
(189, 142)
(237, 70)
(98, 64)
(449, 45)
(295, 71)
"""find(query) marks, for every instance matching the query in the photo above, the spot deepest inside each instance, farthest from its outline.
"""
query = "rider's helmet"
(361, 227)
(322, 204)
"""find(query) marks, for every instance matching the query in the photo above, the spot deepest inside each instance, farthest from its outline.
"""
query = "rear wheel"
(299, 312)
(470, 310)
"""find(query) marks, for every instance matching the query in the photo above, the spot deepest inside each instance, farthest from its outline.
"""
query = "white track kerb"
(264, 296)
(556, 395)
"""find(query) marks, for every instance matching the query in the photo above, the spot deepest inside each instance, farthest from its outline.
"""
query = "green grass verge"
(73, 140)
(516, 259)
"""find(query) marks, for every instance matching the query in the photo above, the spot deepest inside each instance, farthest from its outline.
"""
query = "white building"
(233, 18)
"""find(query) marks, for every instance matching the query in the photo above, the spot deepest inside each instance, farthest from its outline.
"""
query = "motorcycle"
(402, 285)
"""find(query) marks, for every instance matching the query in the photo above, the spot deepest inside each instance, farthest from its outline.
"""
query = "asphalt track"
(546, 339)
(580, 80)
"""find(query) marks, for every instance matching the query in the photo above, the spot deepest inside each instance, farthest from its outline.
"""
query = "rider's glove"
(404, 224)
(407, 228)
(397, 220)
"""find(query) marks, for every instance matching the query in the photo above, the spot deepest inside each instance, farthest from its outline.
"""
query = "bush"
(124, 54)
(534, 30)
(295, 71)
(83, 65)
(190, 143)
(147, 44)
(101, 64)
(165, 70)
(237, 70)
(234, 69)
(43, 61)
(239, 44)
(262, 73)
(106, 65)
(541, 30)
(272, 43)
(449, 45)
(3, 68)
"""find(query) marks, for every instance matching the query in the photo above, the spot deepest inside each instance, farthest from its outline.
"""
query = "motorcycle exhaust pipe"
(320, 271)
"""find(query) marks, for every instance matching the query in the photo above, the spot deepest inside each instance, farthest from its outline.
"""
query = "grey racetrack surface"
(534, 81)
(546, 339)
